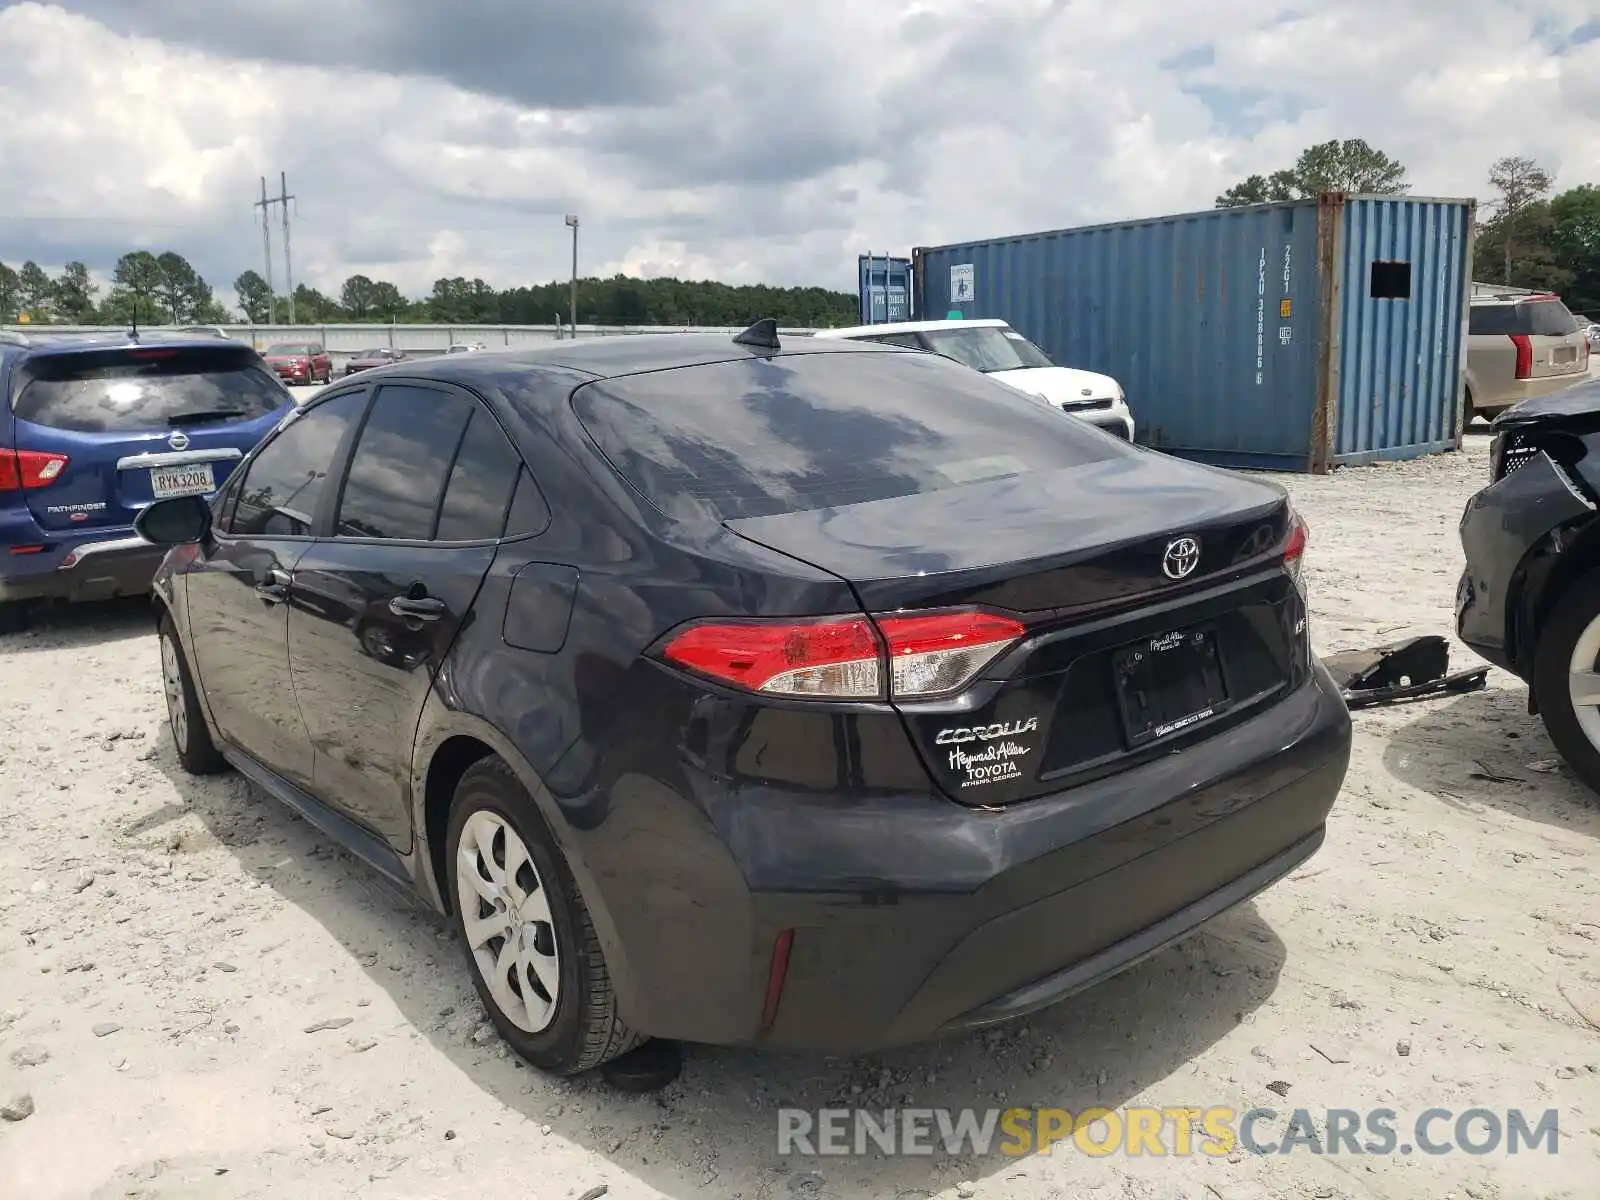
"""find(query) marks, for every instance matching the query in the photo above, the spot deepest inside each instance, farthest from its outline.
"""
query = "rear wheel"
(196, 751)
(531, 946)
(13, 616)
(1566, 677)
(1469, 412)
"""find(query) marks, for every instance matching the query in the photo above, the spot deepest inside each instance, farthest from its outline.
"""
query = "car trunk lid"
(1145, 631)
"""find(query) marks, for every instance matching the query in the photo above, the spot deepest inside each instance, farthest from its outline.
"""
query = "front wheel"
(531, 946)
(197, 753)
(1566, 677)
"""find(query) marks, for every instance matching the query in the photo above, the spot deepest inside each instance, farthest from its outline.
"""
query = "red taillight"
(1294, 549)
(1524, 345)
(28, 470)
(939, 652)
(151, 355)
(843, 658)
(835, 657)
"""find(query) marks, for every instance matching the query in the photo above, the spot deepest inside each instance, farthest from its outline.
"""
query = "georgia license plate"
(195, 480)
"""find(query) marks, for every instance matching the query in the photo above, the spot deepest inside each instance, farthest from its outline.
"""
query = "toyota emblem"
(179, 440)
(1181, 558)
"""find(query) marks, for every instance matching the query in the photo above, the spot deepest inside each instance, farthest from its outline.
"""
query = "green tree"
(1521, 250)
(35, 292)
(1522, 184)
(75, 294)
(8, 294)
(135, 289)
(1574, 241)
(357, 297)
(255, 297)
(312, 307)
(179, 287)
(1350, 166)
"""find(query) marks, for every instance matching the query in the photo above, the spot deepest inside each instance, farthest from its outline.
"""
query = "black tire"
(586, 1029)
(1575, 611)
(1469, 411)
(197, 753)
(13, 617)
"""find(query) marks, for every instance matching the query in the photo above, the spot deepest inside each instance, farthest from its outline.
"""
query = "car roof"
(611, 357)
(862, 331)
(45, 342)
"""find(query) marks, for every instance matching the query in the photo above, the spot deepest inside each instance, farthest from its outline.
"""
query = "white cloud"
(748, 141)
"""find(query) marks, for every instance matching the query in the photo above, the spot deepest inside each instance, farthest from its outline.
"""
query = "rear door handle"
(418, 608)
(274, 589)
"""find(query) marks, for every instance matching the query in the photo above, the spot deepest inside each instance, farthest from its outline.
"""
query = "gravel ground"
(202, 997)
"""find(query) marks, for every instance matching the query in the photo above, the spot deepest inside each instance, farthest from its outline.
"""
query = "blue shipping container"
(885, 289)
(1282, 336)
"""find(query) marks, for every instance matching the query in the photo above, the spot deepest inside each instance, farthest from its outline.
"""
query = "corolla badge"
(985, 733)
(179, 440)
(1181, 558)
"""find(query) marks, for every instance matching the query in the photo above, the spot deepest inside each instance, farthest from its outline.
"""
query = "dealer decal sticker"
(985, 754)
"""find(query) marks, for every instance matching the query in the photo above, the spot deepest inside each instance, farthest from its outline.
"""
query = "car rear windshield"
(758, 437)
(123, 391)
(1535, 318)
(987, 348)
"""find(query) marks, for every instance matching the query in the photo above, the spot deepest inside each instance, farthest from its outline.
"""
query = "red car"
(300, 362)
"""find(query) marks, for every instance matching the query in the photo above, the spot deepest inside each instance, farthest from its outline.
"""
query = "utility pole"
(266, 243)
(572, 222)
(288, 265)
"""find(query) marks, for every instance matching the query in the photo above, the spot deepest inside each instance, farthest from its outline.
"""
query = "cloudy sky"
(747, 140)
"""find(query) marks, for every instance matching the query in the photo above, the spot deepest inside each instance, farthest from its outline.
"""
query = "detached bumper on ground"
(958, 918)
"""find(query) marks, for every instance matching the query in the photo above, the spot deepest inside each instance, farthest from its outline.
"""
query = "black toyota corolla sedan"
(820, 694)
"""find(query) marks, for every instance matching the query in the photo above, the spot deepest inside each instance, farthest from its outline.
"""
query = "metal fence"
(345, 340)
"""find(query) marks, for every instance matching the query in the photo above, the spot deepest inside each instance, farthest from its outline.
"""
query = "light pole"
(572, 224)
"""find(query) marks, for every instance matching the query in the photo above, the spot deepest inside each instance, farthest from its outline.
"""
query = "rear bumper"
(97, 568)
(1526, 389)
(911, 920)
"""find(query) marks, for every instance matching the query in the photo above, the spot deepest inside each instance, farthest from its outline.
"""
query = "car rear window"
(1537, 318)
(124, 391)
(758, 437)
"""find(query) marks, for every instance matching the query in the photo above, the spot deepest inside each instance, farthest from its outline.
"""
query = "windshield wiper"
(195, 416)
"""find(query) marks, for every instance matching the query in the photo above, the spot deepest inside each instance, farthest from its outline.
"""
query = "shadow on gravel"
(1481, 749)
(714, 1131)
(82, 626)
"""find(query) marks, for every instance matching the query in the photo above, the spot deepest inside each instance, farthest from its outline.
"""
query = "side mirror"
(181, 521)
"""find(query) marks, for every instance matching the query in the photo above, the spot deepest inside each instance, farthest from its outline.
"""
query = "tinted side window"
(908, 340)
(481, 483)
(286, 482)
(529, 513)
(397, 473)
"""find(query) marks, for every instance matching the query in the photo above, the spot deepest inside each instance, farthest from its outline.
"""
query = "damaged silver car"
(1529, 600)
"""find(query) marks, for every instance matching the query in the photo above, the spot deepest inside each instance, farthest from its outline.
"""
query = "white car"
(1000, 352)
(466, 347)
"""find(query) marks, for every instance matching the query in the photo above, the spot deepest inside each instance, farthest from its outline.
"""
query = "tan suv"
(1520, 345)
